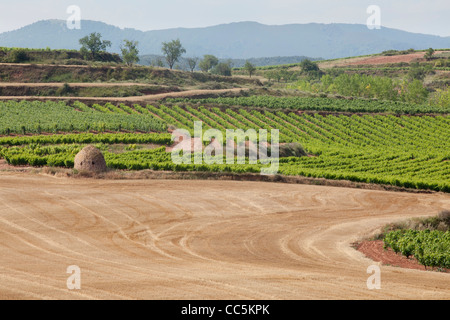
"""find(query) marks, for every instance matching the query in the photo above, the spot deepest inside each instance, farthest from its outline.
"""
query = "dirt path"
(76, 85)
(166, 239)
(152, 97)
(46, 65)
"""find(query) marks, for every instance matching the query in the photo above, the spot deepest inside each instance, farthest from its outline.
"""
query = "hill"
(240, 40)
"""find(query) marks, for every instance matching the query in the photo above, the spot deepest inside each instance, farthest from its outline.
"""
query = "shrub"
(445, 217)
(65, 89)
(18, 56)
(293, 149)
(441, 97)
(222, 69)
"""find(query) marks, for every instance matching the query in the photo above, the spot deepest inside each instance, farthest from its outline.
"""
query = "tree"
(172, 50)
(416, 72)
(209, 61)
(93, 43)
(285, 74)
(276, 75)
(223, 69)
(441, 97)
(414, 92)
(249, 67)
(326, 82)
(310, 68)
(429, 54)
(269, 75)
(308, 65)
(18, 56)
(130, 52)
(192, 63)
(157, 62)
(419, 72)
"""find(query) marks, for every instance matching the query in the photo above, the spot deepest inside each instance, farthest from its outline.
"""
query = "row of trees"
(210, 63)
(93, 45)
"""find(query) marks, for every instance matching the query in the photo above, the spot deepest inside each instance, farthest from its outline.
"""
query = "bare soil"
(408, 58)
(375, 60)
(180, 239)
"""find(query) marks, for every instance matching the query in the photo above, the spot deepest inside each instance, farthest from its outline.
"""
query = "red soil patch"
(375, 251)
(408, 58)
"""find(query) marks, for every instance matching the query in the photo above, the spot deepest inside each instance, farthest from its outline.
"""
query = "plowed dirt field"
(169, 239)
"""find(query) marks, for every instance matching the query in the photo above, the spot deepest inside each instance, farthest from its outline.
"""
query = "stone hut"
(90, 159)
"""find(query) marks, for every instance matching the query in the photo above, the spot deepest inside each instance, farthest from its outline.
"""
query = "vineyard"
(320, 104)
(153, 169)
(37, 117)
(153, 159)
(430, 248)
(371, 148)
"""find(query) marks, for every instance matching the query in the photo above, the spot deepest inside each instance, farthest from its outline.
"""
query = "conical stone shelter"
(90, 159)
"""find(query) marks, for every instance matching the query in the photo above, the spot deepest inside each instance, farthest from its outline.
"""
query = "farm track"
(166, 239)
(135, 99)
(76, 85)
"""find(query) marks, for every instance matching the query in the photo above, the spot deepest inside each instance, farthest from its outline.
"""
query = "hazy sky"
(430, 16)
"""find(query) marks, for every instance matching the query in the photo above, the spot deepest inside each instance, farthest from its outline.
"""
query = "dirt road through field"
(75, 85)
(150, 97)
(168, 239)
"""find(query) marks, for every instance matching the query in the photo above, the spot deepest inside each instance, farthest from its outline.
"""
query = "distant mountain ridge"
(239, 40)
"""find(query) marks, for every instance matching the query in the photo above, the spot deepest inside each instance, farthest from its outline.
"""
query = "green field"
(401, 150)
(320, 104)
(36, 117)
